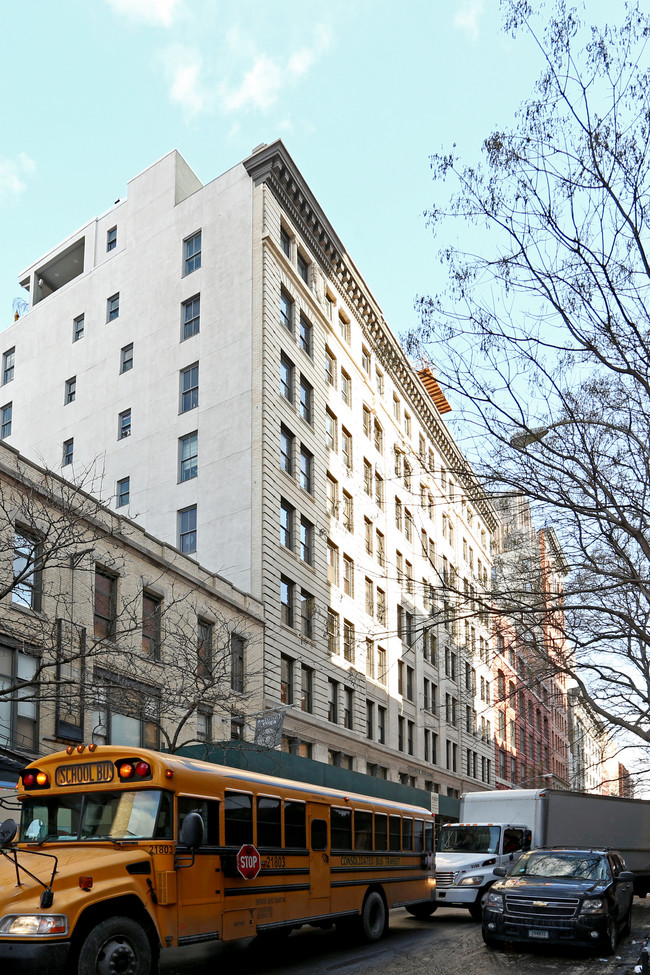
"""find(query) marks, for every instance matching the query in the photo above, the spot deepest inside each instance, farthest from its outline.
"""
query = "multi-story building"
(109, 634)
(209, 360)
(589, 745)
(530, 696)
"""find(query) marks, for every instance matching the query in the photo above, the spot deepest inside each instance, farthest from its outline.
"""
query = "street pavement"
(449, 943)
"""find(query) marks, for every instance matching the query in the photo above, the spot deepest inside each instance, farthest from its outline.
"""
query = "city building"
(529, 688)
(589, 745)
(108, 634)
(208, 360)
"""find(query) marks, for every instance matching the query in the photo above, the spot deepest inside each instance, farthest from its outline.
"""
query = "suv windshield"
(119, 815)
(560, 865)
(469, 839)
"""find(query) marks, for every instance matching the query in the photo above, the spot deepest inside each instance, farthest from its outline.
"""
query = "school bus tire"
(373, 922)
(117, 944)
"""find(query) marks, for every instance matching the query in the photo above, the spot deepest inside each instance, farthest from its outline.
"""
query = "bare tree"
(102, 625)
(542, 340)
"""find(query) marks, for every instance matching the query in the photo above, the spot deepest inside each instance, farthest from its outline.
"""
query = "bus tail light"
(125, 770)
(142, 769)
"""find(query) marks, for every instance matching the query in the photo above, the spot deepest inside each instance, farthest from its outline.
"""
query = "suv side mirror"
(192, 831)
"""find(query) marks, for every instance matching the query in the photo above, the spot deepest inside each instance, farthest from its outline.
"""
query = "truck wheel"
(115, 945)
(610, 939)
(374, 917)
(476, 909)
(488, 939)
(422, 911)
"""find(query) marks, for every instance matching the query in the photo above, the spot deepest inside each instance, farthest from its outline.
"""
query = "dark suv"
(561, 896)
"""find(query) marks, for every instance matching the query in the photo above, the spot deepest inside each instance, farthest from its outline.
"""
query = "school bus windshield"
(112, 815)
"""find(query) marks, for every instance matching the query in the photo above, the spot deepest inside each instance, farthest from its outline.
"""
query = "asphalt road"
(449, 943)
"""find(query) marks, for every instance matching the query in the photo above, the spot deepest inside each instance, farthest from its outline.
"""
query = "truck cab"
(466, 856)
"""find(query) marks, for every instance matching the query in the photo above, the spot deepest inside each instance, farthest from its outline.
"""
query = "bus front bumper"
(456, 896)
(35, 958)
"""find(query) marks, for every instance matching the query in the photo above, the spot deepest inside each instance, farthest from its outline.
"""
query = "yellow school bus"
(121, 852)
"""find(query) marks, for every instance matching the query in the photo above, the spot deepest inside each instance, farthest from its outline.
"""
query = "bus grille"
(541, 907)
(444, 879)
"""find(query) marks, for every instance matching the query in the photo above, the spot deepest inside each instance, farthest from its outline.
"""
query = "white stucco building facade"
(210, 362)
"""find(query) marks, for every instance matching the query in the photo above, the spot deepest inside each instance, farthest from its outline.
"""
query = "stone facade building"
(209, 360)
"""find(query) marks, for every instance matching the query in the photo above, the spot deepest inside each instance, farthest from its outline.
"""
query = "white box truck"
(496, 828)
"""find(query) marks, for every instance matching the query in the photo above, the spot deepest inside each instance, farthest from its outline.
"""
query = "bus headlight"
(33, 925)
(470, 882)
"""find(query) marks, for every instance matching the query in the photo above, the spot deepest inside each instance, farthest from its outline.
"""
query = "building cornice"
(274, 166)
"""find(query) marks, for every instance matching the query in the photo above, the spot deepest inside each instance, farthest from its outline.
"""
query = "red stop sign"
(249, 862)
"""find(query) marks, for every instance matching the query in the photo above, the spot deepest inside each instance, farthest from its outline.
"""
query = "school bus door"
(319, 860)
(200, 886)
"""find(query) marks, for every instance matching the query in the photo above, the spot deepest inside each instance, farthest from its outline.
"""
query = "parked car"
(561, 896)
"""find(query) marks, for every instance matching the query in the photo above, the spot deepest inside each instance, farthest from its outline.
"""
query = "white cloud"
(183, 69)
(467, 17)
(161, 12)
(13, 173)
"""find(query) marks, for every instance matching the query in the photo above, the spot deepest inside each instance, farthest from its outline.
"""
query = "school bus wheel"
(374, 916)
(117, 944)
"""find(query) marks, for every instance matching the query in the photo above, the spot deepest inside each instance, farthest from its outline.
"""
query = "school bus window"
(238, 808)
(407, 834)
(394, 832)
(208, 810)
(269, 826)
(418, 835)
(318, 834)
(362, 830)
(341, 824)
(295, 830)
(381, 831)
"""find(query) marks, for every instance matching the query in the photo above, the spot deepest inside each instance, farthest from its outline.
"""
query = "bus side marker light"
(169, 773)
(86, 883)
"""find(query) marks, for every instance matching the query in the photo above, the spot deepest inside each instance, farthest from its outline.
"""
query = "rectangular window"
(368, 532)
(188, 456)
(370, 719)
(6, 415)
(380, 381)
(381, 724)
(286, 449)
(189, 387)
(105, 605)
(381, 606)
(192, 253)
(306, 335)
(285, 242)
(306, 399)
(370, 597)
(26, 587)
(367, 477)
(344, 326)
(237, 647)
(306, 614)
(187, 530)
(365, 360)
(331, 431)
(286, 377)
(348, 641)
(113, 307)
(204, 639)
(124, 425)
(330, 368)
(379, 490)
(381, 665)
(333, 632)
(151, 625)
(348, 576)
(286, 524)
(286, 679)
(286, 601)
(306, 469)
(306, 541)
(348, 511)
(111, 239)
(346, 448)
(68, 449)
(286, 311)
(306, 689)
(78, 325)
(348, 706)
(332, 700)
(191, 316)
(332, 563)
(332, 487)
(123, 491)
(126, 358)
(367, 421)
(346, 388)
(303, 267)
(8, 365)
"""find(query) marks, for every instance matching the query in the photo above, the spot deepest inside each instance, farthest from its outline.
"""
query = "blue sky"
(361, 91)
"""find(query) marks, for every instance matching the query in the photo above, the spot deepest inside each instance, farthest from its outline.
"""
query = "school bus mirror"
(192, 831)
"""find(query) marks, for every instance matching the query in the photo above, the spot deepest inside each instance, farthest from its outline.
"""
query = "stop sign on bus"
(249, 862)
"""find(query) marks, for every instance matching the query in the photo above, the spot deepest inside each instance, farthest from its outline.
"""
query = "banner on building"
(268, 729)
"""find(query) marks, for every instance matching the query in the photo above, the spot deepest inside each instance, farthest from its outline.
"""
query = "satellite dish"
(7, 832)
